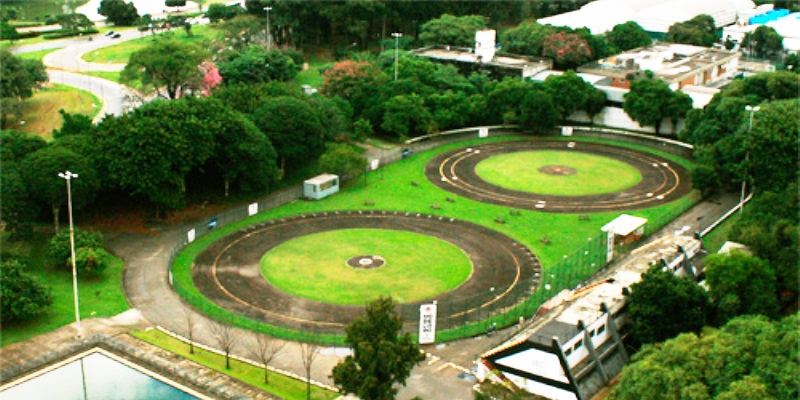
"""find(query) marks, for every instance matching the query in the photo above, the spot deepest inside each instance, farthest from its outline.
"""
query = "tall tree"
(18, 79)
(526, 38)
(451, 30)
(750, 354)
(628, 36)
(41, 168)
(407, 116)
(568, 50)
(22, 297)
(267, 348)
(741, 284)
(663, 305)
(571, 91)
(698, 31)
(226, 338)
(169, 68)
(256, 65)
(382, 357)
(764, 42)
(119, 12)
(537, 111)
(308, 353)
(341, 159)
(293, 128)
(651, 100)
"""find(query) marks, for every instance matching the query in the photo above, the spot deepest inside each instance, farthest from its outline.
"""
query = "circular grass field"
(588, 174)
(315, 266)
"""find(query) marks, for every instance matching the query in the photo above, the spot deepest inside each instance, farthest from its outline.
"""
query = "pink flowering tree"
(211, 77)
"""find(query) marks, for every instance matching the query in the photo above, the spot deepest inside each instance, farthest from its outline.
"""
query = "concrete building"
(784, 23)
(655, 16)
(575, 346)
(677, 64)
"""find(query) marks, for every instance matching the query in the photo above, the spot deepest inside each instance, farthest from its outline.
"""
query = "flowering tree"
(568, 50)
(211, 77)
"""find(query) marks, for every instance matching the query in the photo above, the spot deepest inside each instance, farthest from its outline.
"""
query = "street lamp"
(396, 37)
(269, 35)
(752, 110)
(68, 177)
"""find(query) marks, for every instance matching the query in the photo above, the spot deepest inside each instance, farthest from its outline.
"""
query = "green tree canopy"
(741, 284)
(571, 91)
(8, 32)
(22, 297)
(749, 355)
(119, 12)
(764, 42)
(256, 65)
(382, 357)
(699, 31)
(407, 116)
(19, 77)
(219, 11)
(59, 251)
(568, 50)
(451, 30)
(651, 100)
(663, 305)
(343, 160)
(628, 36)
(293, 128)
(167, 67)
(526, 38)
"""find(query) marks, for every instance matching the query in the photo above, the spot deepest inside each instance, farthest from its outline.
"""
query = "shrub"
(59, 251)
(22, 297)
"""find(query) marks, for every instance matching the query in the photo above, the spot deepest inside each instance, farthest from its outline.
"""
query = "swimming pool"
(96, 374)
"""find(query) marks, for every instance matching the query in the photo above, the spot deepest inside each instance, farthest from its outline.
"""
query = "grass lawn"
(593, 173)
(567, 232)
(323, 275)
(279, 385)
(35, 55)
(119, 54)
(112, 76)
(98, 297)
(717, 237)
(40, 112)
(39, 10)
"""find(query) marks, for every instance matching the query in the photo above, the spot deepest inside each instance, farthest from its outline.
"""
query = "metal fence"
(468, 315)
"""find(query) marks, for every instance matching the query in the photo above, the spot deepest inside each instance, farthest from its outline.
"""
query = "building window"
(578, 344)
(593, 333)
(601, 329)
(567, 352)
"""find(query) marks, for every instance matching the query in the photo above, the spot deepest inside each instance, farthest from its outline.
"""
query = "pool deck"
(116, 328)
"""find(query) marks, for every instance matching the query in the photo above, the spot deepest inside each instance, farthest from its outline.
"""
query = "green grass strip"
(280, 385)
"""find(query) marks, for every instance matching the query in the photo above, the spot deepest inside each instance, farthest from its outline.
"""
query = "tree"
(16, 145)
(651, 100)
(308, 353)
(246, 99)
(267, 348)
(568, 50)
(8, 32)
(663, 305)
(450, 30)
(595, 103)
(791, 63)
(764, 42)
(343, 160)
(168, 66)
(382, 357)
(190, 324)
(22, 297)
(18, 208)
(59, 251)
(698, 31)
(175, 3)
(211, 77)
(741, 284)
(91, 261)
(218, 11)
(243, 31)
(407, 116)
(118, 12)
(226, 338)
(537, 111)
(571, 91)
(357, 82)
(293, 128)
(526, 38)
(256, 65)
(74, 22)
(750, 354)
(18, 79)
(41, 168)
(628, 36)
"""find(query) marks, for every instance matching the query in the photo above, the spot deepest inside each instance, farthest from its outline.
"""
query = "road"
(113, 95)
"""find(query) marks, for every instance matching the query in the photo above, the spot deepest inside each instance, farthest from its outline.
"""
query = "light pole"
(752, 110)
(396, 37)
(68, 177)
(269, 34)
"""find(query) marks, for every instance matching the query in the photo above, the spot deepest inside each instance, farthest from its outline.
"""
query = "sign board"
(566, 131)
(190, 235)
(252, 209)
(483, 132)
(427, 323)
(610, 245)
(374, 164)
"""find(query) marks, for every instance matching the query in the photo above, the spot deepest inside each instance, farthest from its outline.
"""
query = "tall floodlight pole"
(752, 110)
(396, 37)
(68, 177)
(269, 34)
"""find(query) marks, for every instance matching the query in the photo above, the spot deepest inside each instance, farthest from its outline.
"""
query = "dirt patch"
(558, 170)
(365, 262)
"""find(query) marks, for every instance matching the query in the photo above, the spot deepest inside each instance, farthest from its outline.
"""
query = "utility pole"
(396, 37)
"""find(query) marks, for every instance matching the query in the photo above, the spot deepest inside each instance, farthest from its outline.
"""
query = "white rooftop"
(321, 179)
(624, 225)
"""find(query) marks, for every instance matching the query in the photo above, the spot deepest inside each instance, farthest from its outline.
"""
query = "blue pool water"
(94, 377)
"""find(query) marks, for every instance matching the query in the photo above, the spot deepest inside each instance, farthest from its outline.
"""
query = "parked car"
(109, 33)
(116, 36)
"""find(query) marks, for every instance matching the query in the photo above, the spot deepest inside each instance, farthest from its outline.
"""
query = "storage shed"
(321, 186)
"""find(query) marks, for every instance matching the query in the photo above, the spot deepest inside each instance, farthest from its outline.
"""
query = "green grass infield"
(570, 173)
(315, 266)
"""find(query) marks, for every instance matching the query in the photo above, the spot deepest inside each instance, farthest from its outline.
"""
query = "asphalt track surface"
(662, 181)
(227, 272)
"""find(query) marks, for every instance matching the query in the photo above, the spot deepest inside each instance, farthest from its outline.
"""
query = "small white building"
(321, 186)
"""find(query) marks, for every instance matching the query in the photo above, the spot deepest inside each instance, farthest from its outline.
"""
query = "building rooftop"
(668, 61)
(527, 65)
